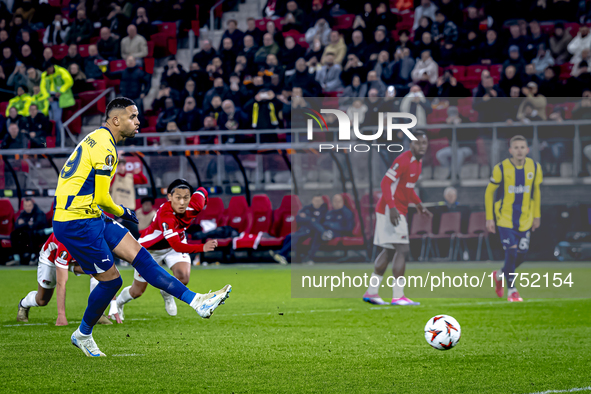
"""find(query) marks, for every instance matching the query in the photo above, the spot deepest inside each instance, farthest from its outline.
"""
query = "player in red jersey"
(391, 231)
(52, 272)
(166, 241)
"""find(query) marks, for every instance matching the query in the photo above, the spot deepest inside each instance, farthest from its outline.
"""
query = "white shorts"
(386, 234)
(46, 276)
(169, 256)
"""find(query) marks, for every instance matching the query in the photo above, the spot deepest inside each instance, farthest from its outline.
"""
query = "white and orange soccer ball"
(443, 332)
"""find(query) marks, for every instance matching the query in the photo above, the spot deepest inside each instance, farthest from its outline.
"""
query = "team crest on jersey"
(109, 160)
(530, 175)
(64, 255)
(165, 226)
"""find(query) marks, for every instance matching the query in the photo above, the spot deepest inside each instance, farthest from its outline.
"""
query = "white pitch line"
(22, 325)
(574, 390)
(128, 355)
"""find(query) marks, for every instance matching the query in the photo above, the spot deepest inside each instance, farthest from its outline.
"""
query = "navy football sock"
(159, 278)
(520, 259)
(98, 301)
(509, 268)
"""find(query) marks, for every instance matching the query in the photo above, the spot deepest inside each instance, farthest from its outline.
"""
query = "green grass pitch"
(262, 340)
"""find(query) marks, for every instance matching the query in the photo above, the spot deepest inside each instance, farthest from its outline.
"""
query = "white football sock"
(374, 289)
(511, 290)
(499, 274)
(93, 284)
(29, 301)
(398, 290)
(124, 297)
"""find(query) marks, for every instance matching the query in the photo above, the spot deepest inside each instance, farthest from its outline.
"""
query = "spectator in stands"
(535, 39)
(425, 9)
(26, 40)
(5, 40)
(174, 75)
(416, 103)
(249, 49)
(355, 88)
(290, 54)
(516, 40)
(8, 62)
(450, 204)
(14, 139)
(515, 60)
(294, 18)
(373, 82)
(329, 75)
(445, 155)
(164, 93)
(357, 46)
(581, 42)
(253, 31)
(313, 55)
(448, 86)
(123, 193)
(559, 43)
(205, 55)
(543, 60)
(189, 90)
(550, 84)
(510, 78)
(448, 54)
(308, 220)
(233, 33)
(232, 118)
(21, 102)
(81, 29)
(320, 30)
(227, 55)
(336, 46)
(269, 47)
(533, 98)
(13, 117)
(27, 234)
(168, 114)
(275, 34)
(143, 25)
(585, 56)
(135, 82)
(80, 81)
(56, 82)
(400, 69)
(338, 222)
(425, 25)
(214, 107)
(443, 29)
(91, 64)
(209, 124)
(4, 91)
(48, 56)
(365, 22)
(145, 214)
(134, 45)
(189, 119)
(72, 57)
(57, 32)
(37, 127)
(380, 44)
(425, 66)
(108, 46)
(491, 51)
(426, 43)
(28, 58)
(304, 79)
(219, 89)
(16, 26)
(353, 66)
(18, 76)
(263, 110)
(26, 10)
(40, 100)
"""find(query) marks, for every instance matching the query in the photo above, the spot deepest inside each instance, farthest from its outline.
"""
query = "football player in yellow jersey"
(517, 208)
(91, 238)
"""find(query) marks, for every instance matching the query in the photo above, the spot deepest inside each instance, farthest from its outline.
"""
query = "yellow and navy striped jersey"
(517, 201)
(75, 194)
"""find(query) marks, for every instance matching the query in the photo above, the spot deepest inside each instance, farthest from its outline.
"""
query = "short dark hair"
(148, 198)
(419, 133)
(517, 138)
(118, 103)
(179, 184)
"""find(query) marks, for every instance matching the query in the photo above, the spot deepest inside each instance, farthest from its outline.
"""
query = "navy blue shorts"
(510, 237)
(90, 241)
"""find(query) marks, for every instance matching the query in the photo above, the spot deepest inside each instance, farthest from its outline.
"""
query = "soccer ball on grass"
(443, 332)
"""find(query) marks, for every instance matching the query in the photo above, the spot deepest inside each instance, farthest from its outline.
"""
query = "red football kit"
(398, 185)
(168, 229)
(53, 253)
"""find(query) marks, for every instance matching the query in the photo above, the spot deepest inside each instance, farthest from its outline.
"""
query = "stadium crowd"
(432, 49)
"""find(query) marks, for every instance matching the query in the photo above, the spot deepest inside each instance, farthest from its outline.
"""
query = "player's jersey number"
(72, 165)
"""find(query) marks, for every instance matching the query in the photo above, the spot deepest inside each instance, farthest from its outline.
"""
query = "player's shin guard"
(509, 268)
(159, 278)
(98, 301)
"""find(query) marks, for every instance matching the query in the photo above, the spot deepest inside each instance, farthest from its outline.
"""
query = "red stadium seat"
(262, 215)
(169, 29)
(356, 239)
(3, 106)
(448, 229)
(474, 72)
(59, 51)
(55, 3)
(213, 211)
(195, 27)
(421, 227)
(458, 71)
(239, 216)
(94, 40)
(283, 221)
(149, 65)
(476, 229)
(150, 48)
(6, 218)
(76, 125)
(301, 40)
(117, 65)
(86, 97)
(83, 50)
(50, 141)
(547, 28)
(565, 70)
(572, 28)
(343, 22)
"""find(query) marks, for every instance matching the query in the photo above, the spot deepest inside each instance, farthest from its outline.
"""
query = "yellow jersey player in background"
(91, 238)
(517, 208)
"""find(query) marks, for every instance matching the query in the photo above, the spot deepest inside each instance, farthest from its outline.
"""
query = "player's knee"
(136, 291)
(404, 249)
(42, 302)
(183, 277)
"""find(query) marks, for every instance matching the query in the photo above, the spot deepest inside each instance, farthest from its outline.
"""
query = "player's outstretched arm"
(102, 196)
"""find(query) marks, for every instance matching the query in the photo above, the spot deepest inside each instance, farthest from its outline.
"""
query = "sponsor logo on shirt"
(519, 189)
(410, 185)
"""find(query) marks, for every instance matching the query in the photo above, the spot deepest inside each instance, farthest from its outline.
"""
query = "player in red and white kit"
(166, 241)
(391, 232)
(52, 272)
